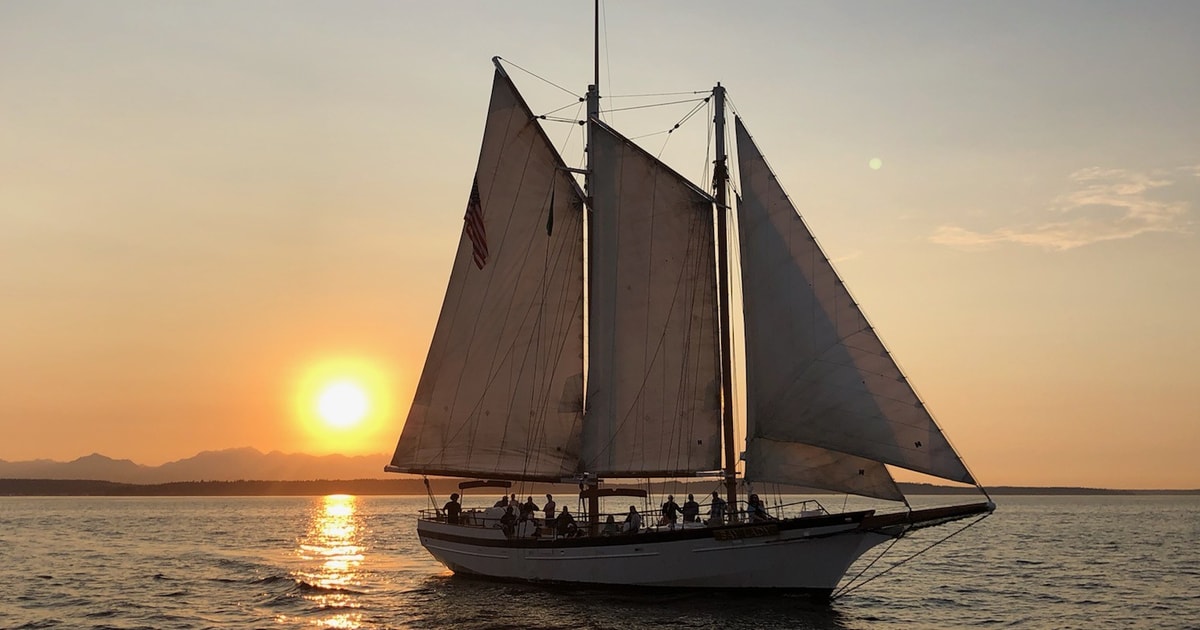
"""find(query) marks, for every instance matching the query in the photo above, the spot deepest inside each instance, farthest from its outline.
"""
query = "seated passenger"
(566, 524)
(507, 521)
(610, 526)
(633, 521)
(756, 510)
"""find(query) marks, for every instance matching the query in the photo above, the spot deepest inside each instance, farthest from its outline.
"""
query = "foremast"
(720, 190)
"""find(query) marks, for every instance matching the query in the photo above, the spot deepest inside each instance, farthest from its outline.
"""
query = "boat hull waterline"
(805, 554)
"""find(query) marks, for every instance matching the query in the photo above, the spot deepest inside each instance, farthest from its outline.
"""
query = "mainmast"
(593, 100)
(720, 185)
(593, 113)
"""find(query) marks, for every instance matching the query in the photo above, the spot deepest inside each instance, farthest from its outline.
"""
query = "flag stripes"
(473, 226)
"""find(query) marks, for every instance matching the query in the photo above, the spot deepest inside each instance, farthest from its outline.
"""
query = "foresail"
(653, 384)
(814, 467)
(502, 389)
(816, 372)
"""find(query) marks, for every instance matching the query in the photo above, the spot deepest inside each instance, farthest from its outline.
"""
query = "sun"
(343, 404)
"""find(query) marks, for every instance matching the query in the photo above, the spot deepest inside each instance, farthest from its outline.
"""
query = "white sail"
(502, 389)
(816, 372)
(814, 467)
(653, 384)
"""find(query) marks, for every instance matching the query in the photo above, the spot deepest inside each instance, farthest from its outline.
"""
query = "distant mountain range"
(251, 466)
(225, 465)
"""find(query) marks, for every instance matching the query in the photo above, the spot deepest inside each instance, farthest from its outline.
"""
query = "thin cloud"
(1105, 205)
(847, 256)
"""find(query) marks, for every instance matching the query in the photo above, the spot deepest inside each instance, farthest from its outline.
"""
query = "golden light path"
(332, 544)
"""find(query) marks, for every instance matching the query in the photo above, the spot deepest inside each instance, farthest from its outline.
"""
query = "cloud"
(1105, 205)
(847, 256)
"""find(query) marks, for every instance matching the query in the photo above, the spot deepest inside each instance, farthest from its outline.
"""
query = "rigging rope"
(693, 92)
(540, 78)
(559, 109)
(847, 589)
(649, 105)
(429, 491)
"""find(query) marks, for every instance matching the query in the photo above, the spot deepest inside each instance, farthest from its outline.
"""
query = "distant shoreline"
(442, 487)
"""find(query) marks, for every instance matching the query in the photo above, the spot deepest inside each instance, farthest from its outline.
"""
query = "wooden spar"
(593, 114)
(720, 183)
(490, 483)
(592, 492)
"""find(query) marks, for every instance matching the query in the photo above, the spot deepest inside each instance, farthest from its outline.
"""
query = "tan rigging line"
(683, 120)
(536, 440)
(649, 105)
(494, 374)
(693, 92)
(689, 381)
(850, 587)
(539, 77)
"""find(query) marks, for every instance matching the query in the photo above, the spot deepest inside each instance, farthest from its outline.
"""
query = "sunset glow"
(213, 212)
(342, 404)
(345, 404)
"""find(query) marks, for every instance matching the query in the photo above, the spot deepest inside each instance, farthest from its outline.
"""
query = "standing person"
(452, 509)
(528, 508)
(549, 510)
(716, 511)
(691, 510)
(503, 502)
(508, 521)
(670, 511)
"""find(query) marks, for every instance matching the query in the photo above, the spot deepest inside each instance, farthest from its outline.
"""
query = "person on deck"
(691, 510)
(633, 521)
(507, 521)
(756, 510)
(610, 526)
(503, 502)
(549, 510)
(452, 509)
(716, 511)
(670, 512)
(529, 508)
(566, 524)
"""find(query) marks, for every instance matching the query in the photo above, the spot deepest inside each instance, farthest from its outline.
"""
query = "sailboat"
(586, 336)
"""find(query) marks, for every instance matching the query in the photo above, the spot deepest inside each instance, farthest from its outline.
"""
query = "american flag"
(473, 226)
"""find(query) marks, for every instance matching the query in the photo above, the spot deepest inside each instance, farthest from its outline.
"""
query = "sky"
(210, 210)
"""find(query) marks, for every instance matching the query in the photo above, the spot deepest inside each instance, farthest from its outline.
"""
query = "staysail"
(816, 372)
(653, 384)
(798, 464)
(502, 390)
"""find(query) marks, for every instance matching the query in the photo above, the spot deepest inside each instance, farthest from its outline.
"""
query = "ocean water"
(353, 562)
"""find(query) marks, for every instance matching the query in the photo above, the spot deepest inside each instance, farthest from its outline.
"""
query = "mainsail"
(816, 372)
(653, 380)
(502, 390)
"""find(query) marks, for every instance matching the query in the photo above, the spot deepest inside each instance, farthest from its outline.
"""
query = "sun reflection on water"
(332, 549)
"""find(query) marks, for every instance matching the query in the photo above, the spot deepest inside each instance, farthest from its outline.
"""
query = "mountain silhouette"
(224, 465)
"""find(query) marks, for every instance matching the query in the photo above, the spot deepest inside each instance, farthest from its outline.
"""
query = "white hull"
(782, 555)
